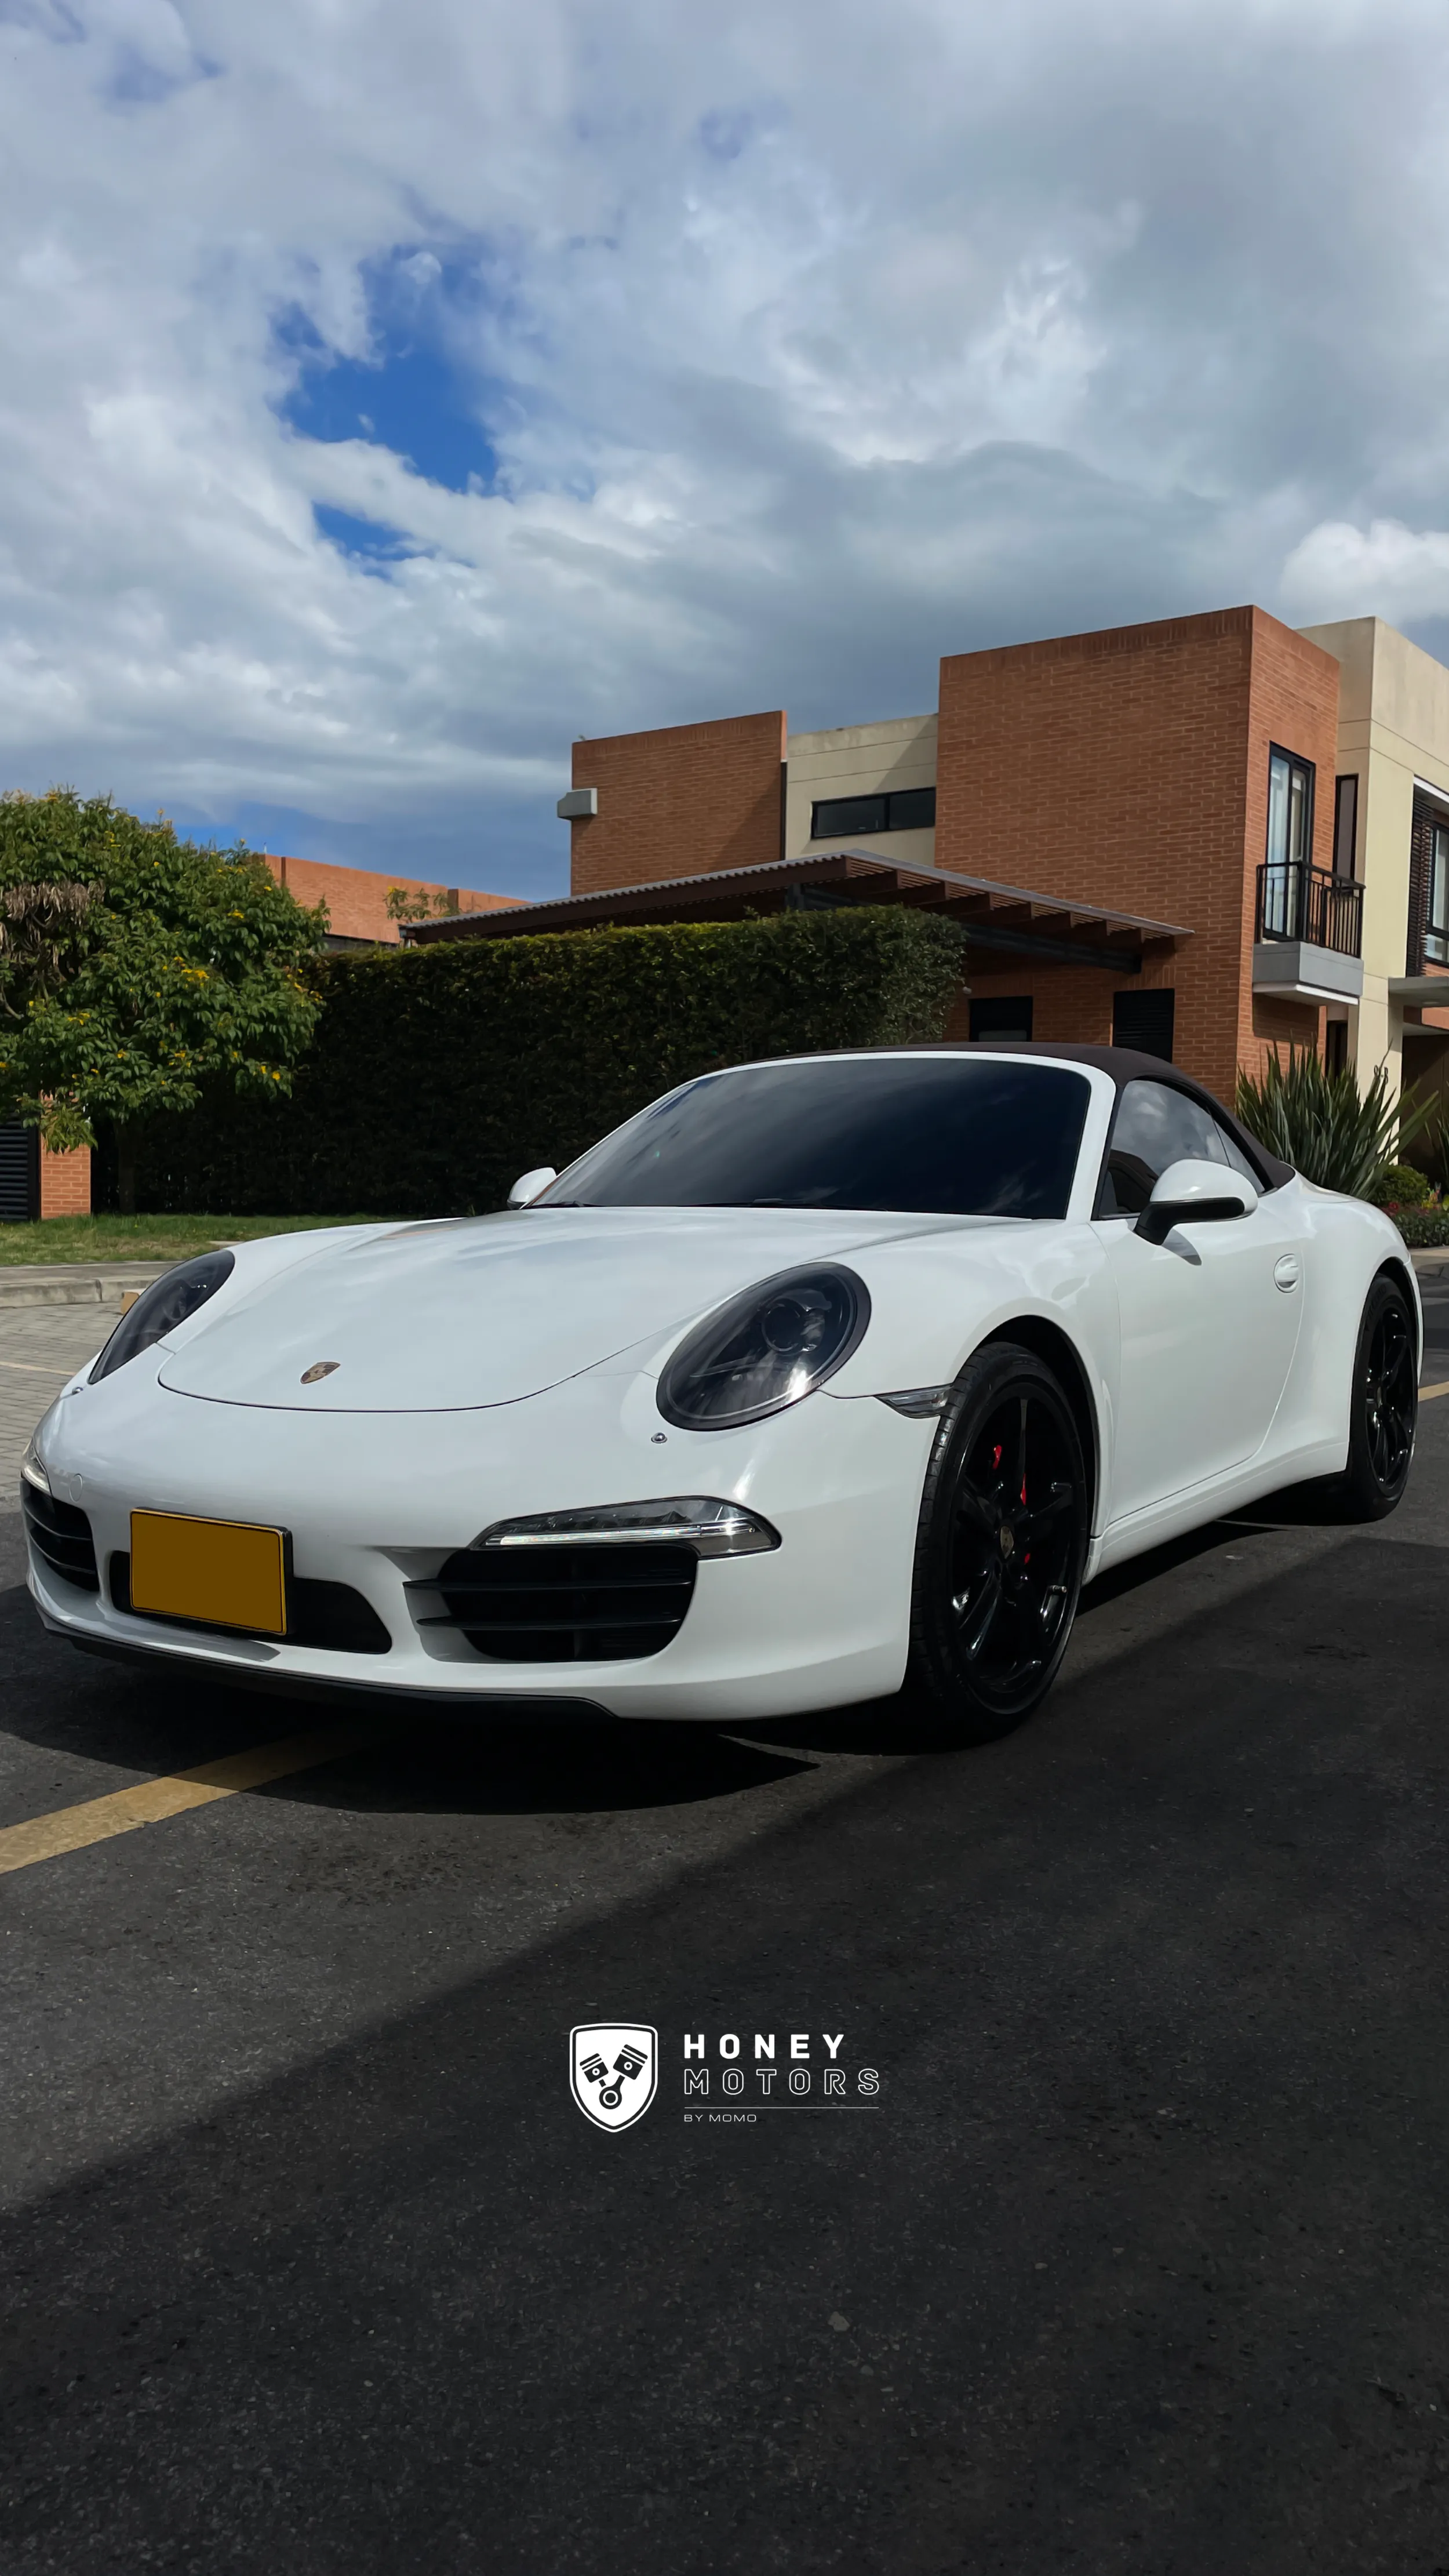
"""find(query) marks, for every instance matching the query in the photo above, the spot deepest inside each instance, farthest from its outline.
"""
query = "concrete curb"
(28, 1284)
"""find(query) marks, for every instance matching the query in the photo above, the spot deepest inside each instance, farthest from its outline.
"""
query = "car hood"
(488, 1310)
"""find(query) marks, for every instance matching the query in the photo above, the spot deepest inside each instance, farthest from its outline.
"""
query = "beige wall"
(1393, 726)
(860, 760)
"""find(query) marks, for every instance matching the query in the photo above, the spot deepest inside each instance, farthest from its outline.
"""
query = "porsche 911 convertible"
(819, 1381)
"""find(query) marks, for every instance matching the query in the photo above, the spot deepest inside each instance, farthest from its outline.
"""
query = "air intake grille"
(61, 1536)
(565, 1605)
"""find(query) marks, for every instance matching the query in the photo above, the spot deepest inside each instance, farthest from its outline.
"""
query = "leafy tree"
(136, 969)
(419, 906)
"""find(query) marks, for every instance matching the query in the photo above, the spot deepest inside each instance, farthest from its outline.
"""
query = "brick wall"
(356, 898)
(65, 1183)
(680, 802)
(1129, 768)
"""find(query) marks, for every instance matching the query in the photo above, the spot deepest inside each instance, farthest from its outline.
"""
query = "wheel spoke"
(977, 1611)
(1061, 1500)
(973, 1511)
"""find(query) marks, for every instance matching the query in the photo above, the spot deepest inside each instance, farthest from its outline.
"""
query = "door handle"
(1286, 1273)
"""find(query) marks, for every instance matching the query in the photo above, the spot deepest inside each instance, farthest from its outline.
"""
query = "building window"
(1007, 1021)
(908, 809)
(1144, 1021)
(1345, 826)
(1335, 1046)
(1436, 924)
(1290, 845)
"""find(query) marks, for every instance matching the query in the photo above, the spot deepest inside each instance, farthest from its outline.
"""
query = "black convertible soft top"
(1125, 1064)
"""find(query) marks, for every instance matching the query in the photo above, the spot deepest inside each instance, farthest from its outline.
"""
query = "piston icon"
(629, 2062)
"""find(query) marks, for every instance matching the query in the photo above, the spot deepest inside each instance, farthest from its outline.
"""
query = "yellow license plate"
(225, 1573)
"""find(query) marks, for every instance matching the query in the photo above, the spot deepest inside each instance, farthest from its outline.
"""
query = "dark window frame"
(997, 1006)
(1345, 826)
(1141, 1043)
(1309, 768)
(1436, 894)
(900, 809)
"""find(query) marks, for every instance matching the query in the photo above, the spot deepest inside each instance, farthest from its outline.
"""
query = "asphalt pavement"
(1133, 2257)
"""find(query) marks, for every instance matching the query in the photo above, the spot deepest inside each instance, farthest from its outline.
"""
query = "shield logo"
(613, 2068)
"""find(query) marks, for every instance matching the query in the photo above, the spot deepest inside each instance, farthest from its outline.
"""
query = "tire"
(1002, 1538)
(1383, 1408)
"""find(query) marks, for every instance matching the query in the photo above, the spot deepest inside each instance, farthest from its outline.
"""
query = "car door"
(1209, 1318)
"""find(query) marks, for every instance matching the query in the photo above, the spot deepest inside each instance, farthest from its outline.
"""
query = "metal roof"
(1052, 927)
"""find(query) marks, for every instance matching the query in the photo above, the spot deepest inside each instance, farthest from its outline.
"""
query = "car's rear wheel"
(1383, 1407)
(1000, 1547)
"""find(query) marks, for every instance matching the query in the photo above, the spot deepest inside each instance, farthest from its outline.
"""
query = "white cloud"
(811, 341)
(1386, 570)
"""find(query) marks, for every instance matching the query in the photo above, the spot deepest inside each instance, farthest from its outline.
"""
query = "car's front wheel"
(1003, 1531)
(1383, 1407)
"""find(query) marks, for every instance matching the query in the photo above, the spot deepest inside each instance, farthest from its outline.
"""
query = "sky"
(392, 393)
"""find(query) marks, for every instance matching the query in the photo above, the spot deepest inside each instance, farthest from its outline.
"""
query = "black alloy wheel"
(1383, 1406)
(1005, 1519)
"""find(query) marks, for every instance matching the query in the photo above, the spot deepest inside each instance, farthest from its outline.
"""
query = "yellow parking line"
(152, 1801)
(36, 1368)
(1428, 1393)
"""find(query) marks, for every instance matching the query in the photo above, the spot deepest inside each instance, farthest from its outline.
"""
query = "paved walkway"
(40, 1348)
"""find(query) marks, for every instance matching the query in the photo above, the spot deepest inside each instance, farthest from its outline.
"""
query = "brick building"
(1206, 836)
(38, 1184)
(357, 899)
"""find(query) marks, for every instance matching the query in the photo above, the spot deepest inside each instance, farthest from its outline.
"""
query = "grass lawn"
(145, 1238)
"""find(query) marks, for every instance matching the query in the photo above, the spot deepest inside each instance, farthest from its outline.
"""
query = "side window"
(1155, 1126)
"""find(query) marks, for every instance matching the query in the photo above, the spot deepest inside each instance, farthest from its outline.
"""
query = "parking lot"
(1136, 2260)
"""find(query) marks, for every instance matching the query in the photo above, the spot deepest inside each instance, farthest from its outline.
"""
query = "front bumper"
(377, 1502)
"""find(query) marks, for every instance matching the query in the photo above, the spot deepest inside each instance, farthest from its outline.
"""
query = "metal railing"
(1299, 902)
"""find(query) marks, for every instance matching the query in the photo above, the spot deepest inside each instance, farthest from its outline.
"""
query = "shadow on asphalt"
(422, 1763)
(1136, 2260)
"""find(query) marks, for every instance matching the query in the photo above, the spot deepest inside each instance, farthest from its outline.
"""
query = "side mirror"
(1191, 1193)
(531, 1184)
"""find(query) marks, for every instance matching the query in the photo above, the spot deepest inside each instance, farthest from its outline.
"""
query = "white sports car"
(819, 1380)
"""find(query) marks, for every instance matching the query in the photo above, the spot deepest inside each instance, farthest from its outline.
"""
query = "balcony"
(1307, 934)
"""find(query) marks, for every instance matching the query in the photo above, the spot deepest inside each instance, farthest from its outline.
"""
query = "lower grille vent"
(561, 1605)
(318, 1614)
(61, 1536)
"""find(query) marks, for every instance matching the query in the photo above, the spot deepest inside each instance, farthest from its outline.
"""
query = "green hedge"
(438, 1074)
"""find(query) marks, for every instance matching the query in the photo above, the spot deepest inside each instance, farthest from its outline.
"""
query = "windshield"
(936, 1135)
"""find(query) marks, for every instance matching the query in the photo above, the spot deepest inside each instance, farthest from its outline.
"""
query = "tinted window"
(905, 809)
(1155, 1126)
(998, 1018)
(1143, 1021)
(938, 1135)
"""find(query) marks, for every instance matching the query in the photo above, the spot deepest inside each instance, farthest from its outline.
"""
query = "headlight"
(32, 1465)
(701, 1521)
(161, 1307)
(765, 1350)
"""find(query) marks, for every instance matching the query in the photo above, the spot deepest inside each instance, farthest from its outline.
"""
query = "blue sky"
(395, 393)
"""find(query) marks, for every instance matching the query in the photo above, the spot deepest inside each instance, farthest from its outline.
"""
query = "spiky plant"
(1323, 1125)
(1436, 1139)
